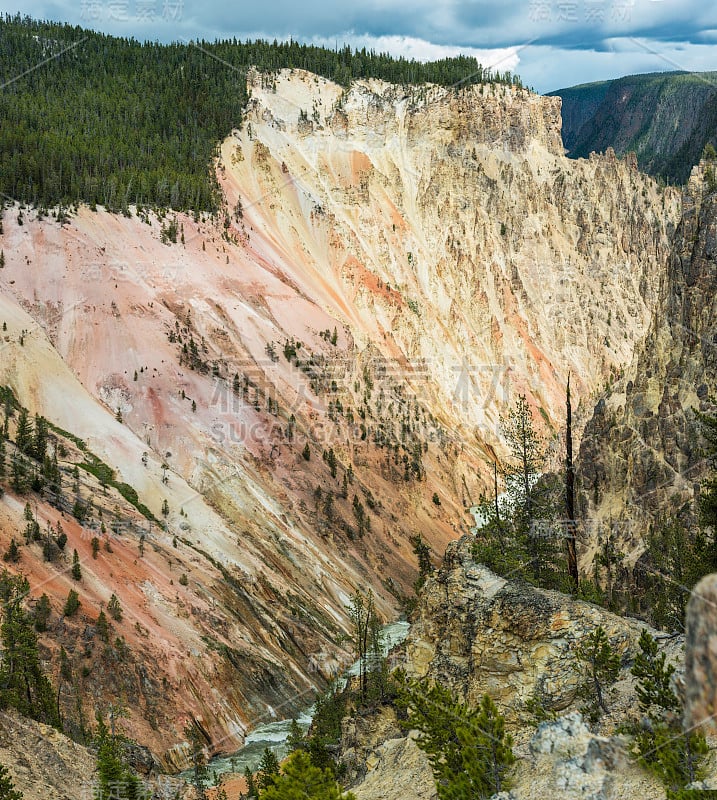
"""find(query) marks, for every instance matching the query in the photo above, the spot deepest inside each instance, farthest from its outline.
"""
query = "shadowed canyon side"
(300, 380)
(642, 457)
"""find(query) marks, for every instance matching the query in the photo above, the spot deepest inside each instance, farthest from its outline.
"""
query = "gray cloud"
(571, 40)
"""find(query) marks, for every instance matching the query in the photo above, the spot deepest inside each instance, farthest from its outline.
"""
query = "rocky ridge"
(477, 633)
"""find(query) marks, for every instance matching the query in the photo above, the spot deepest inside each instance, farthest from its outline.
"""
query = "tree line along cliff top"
(93, 118)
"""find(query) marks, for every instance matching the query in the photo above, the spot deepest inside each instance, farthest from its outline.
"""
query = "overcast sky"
(551, 44)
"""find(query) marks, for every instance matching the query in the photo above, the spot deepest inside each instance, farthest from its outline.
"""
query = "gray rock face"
(382, 763)
(566, 762)
(476, 632)
(701, 657)
(563, 761)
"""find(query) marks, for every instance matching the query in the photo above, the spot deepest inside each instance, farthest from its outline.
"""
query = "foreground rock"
(478, 633)
(701, 657)
(565, 761)
(44, 763)
(382, 762)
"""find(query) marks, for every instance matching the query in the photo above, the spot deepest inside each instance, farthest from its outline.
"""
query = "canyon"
(311, 377)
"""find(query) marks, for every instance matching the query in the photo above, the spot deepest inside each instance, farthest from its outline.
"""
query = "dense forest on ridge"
(104, 120)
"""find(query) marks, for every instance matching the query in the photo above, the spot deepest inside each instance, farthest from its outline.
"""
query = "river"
(274, 734)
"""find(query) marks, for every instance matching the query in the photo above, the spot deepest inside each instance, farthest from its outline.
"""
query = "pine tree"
(76, 568)
(72, 604)
(366, 635)
(115, 778)
(468, 749)
(19, 474)
(12, 554)
(654, 676)
(296, 739)
(599, 665)
(199, 760)
(251, 788)
(302, 780)
(306, 452)
(268, 770)
(7, 787)
(663, 747)
(23, 433)
(486, 755)
(103, 627)
(61, 536)
(114, 607)
(39, 439)
(43, 610)
(23, 684)
(331, 461)
(425, 565)
(527, 452)
(675, 756)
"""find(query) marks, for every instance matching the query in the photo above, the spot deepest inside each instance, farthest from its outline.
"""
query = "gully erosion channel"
(274, 734)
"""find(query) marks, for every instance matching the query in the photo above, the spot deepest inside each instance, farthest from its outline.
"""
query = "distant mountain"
(666, 118)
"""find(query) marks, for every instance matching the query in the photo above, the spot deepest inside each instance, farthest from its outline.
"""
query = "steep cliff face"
(447, 227)
(394, 266)
(641, 455)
